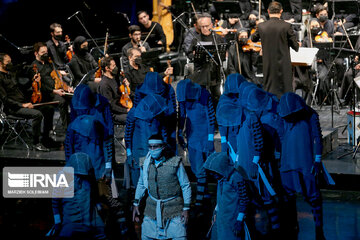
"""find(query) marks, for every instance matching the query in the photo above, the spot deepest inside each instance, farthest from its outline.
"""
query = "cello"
(168, 79)
(36, 96)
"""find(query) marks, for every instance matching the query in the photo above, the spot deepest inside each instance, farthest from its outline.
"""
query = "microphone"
(73, 15)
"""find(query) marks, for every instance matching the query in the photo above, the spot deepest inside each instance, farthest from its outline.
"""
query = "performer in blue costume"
(301, 155)
(154, 84)
(143, 121)
(229, 112)
(232, 199)
(196, 109)
(77, 218)
(91, 132)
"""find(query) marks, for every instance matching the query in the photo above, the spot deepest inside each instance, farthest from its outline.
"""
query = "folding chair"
(13, 123)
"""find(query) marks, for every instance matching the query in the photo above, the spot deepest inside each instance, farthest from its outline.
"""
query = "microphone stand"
(223, 77)
(193, 35)
(87, 32)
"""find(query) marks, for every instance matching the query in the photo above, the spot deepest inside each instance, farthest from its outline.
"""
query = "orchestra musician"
(16, 103)
(157, 38)
(57, 48)
(245, 57)
(137, 70)
(135, 42)
(48, 91)
(277, 36)
(82, 63)
(207, 74)
(109, 88)
(189, 35)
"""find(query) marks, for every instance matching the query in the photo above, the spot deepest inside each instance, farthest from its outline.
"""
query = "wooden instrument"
(36, 85)
(69, 54)
(57, 77)
(98, 73)
(125, 99)
(251, 46)
(168, 79)
(162, 15)
(323, 37)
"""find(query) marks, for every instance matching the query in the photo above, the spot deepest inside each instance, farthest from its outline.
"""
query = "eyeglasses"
(155, 146)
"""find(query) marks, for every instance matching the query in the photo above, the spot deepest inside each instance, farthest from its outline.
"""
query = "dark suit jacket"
(277, 37)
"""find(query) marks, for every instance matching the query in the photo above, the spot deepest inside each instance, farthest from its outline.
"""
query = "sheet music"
(304, 57)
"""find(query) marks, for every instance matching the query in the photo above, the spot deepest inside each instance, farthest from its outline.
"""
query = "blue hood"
(229, 112)
(81, 163)
(233, 82)
(153, 84)
(290, 103)
(181, 90)
(150, 107)
(83, 100)
(255, 99)
(219, 162)
(188, 90)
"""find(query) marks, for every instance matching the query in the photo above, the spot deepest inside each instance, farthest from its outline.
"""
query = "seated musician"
(231, 26)
(137, 70)
(245, 56)
(48, 90)
(135, 42)
(326, 24)
(82, 63)
(157, 38)
(109, 88)
(15, 103)
(57, 48)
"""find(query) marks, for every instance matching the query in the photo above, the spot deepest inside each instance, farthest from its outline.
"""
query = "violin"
(69, 54)
(323, 37)
(57, 77)
(36, 85)
(218, 29)
(168, 79)
(252, 46)
(125, 100)
(98, 73)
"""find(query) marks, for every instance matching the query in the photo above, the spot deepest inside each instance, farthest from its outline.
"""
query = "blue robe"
(232, 197)
(154, 84)
(78, 215)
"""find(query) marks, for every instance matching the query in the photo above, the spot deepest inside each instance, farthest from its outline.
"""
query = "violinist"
(82, 63)
(16, 103)
(157, 38)
(57, 48)
(244, 56)
(325, 24)
(135, 42)
(109, 88)
(231, 26)
(48, 91)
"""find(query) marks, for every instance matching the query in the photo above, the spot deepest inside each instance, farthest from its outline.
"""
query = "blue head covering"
(233, 82)
(181, 90)
(290, 103)
(81, 163)
(219, 162)
(150, 106)
(255, 99)
(153, 84)
(229, 112)
(83, 100)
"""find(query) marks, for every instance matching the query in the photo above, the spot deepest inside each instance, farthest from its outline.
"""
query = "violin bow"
(149, 33)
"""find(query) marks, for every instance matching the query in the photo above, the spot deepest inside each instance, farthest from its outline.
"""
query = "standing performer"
(276, 38)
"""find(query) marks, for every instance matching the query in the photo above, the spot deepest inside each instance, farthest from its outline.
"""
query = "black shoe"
(40, 147)
(50, 143)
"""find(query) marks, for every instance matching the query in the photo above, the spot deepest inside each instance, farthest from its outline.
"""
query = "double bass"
(36, 96)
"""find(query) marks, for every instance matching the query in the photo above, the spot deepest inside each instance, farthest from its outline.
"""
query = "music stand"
(228, 7)
(201, 56)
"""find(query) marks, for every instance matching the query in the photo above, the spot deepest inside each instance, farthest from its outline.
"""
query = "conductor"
(277, 37)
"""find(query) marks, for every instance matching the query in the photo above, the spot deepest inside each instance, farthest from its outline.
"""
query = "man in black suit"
(277, 37)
